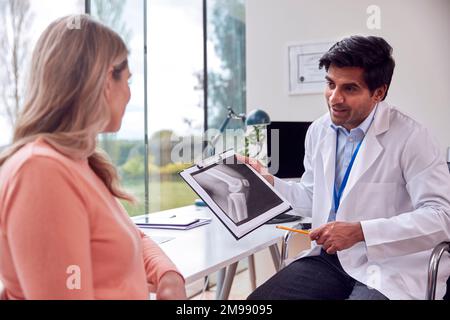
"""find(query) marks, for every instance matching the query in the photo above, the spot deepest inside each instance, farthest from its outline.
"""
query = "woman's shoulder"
(34, 157)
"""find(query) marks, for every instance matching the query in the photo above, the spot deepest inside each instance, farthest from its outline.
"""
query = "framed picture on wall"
(305, 77)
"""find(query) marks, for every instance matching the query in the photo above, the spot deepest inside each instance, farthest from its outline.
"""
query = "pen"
(294, 230)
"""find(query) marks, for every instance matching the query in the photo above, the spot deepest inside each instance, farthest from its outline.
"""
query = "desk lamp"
(255, 118)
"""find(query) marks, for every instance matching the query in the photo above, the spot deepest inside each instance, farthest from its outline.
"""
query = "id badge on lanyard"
(337, 194)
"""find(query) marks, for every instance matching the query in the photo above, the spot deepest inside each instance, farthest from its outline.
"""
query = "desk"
(210, 248)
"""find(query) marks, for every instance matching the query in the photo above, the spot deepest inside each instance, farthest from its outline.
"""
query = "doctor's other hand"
(338, 236)
(258, 166)
(171, 287)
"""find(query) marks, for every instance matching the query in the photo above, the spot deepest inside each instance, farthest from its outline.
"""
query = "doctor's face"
(349, 99)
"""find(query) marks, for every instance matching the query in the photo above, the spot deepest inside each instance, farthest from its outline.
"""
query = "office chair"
(433, 265)
(285, 245)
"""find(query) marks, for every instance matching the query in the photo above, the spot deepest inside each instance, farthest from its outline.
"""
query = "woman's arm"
(161, 272)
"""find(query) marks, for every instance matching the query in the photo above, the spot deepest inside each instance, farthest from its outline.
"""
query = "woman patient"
(63, 232)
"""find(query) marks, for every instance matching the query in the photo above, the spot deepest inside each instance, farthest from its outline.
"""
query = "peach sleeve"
(47, 228)
(156, 262)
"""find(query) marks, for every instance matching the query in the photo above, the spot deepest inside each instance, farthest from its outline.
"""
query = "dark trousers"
(314, 278)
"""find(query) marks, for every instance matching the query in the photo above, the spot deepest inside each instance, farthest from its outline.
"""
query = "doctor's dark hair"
(373, 54)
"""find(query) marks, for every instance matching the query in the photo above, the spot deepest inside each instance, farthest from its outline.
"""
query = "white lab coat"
(399, 189)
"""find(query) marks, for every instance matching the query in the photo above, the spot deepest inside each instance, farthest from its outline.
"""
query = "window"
(177, 114)
(127, 148)
(21, 24)
(226, 71)
(226, 60)
(175, 101)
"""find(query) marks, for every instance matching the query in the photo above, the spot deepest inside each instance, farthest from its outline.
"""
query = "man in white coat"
(376, 185)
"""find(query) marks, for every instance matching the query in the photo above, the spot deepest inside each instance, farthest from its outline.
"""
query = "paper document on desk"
(172, 222)
(238, 195)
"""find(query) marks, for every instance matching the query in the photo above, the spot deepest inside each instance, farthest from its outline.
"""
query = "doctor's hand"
(338, 236)
(258, 166)
(171, 287)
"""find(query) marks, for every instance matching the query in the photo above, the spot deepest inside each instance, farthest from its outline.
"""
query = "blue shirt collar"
(364, 126)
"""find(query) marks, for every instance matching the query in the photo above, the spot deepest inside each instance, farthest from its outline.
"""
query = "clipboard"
(235, 192)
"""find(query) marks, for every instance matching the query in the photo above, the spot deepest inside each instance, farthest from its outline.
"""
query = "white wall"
(418, 30)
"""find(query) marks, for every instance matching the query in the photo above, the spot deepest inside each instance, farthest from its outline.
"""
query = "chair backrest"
(433, 267)
(447, 295)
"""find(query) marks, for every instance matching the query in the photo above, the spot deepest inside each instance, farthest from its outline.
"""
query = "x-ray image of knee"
(228, 189)
(234, 189)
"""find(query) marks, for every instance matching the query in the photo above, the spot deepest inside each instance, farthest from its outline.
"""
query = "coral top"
(64, 236)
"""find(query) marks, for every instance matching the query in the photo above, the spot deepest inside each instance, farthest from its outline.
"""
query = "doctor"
(375, 184)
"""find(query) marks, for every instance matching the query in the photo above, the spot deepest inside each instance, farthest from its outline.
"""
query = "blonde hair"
(65, 101)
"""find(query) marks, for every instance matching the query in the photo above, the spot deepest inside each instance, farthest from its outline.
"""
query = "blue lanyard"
(337, 195)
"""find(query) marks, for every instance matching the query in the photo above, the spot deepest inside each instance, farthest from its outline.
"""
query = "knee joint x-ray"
(236, 193)
(236, 190)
